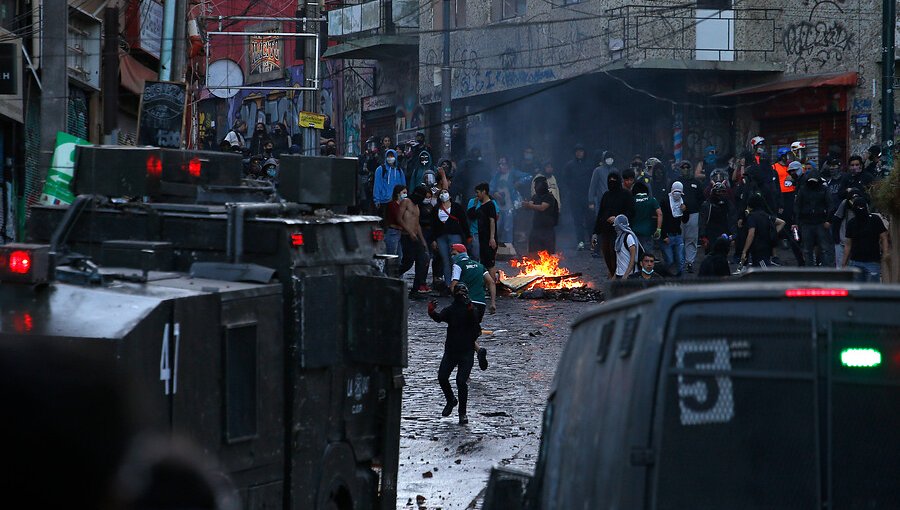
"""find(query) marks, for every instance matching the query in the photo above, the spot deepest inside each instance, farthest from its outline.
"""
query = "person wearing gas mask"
(710, 158)
(450, 226)
(463, 329)
(617, 200)
(545, 219)
(813, 209)
(692, 180)
(718, 217)
(830, 177)
(763, 175)
(576, 178)
(387, 176)
(598, 186)
(867, 241)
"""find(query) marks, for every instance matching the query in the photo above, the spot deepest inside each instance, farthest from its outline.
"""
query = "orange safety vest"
(783, 176)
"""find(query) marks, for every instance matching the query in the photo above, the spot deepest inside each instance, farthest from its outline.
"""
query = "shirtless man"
(415, 247)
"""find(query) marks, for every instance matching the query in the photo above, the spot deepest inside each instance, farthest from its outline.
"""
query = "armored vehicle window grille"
(739, 412)
(865, 415)
(240, 382)
(629, 335)
(605, 340)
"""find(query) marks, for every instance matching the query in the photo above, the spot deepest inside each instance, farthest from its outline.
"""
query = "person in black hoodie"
(449, 226)
(576, 179)
(717, 217)
(463, 328)
(617, 200)
(716, 263)
(812, 212)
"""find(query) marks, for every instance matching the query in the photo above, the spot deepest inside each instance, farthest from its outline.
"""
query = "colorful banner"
(58, 186)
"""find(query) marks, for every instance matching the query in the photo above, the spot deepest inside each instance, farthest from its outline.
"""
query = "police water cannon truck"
(261, 322)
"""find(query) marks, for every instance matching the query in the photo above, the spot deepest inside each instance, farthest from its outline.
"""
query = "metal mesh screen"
(739, 415)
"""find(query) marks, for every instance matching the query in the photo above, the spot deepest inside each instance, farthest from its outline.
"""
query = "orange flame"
(546, 265)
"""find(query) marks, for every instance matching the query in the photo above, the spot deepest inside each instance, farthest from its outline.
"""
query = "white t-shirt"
(624, 255)
(235, 139)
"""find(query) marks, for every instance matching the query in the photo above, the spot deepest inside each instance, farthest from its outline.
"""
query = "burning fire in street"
(543, 272)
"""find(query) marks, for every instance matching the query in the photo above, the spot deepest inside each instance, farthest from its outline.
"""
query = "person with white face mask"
(449, 226)
(387, 176)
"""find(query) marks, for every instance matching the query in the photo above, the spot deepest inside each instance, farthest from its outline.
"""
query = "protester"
(387, 177)
(867, 241)
(259, 137)
(549, 173)
(648, 268)
(647, 223)
(235, 137)
(626, 246)
(484, 216)
(281, 139)
(576, 179)
(615, 201)
(503, 189)
(718, 216)
(716, 262)
(692, 182)
(546, 216)
(414, 243)
(761, 234)
(812, 211)
(450, 227)
(673, 218)
(393, 220)
(459, 348)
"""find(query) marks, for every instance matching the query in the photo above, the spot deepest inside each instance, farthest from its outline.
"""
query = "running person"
(479, 285)
(459, 349)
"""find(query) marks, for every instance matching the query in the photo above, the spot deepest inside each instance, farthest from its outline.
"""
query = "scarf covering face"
(622, 231)
(676, 199)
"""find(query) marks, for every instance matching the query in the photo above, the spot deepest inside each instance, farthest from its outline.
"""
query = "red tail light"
(194, 167)
(377, 235)
(816, 292)
(19, 262)
(154, 166)
(297, 239)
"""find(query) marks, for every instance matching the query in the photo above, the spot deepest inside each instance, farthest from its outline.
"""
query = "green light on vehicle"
(860, 358)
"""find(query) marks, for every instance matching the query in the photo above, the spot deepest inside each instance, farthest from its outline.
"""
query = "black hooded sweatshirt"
(616, 201)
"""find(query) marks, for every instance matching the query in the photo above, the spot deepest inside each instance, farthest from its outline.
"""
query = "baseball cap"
(460, 248)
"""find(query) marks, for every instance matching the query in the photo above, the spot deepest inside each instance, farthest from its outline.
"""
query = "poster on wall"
(265, 53)
(161, 115)
(58, 186)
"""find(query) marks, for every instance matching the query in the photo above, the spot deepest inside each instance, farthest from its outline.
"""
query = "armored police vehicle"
(745, 395)
(261, 320)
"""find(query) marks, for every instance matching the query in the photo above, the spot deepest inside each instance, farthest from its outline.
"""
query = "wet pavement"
(445, 465)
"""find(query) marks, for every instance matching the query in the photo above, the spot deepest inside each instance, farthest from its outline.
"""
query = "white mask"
(445, 197)
(391, 160)
(609, 161)
(402, 196)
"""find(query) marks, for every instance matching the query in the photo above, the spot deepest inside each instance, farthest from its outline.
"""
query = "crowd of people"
(734, 212)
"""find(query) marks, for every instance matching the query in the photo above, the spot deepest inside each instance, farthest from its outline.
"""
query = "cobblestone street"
(445, 465)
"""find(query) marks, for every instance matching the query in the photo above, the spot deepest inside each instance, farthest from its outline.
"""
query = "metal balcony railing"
(644, 32)
(386, 17)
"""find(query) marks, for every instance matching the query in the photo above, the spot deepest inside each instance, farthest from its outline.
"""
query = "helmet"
(719, 187)
(756, 140)
(651, 162)
(797, 146)
(783, 151)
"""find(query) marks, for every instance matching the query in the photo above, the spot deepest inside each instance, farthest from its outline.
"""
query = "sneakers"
(581, 246)
(449, 408)
(463, 419)
(482, 358)
(423, 289)
(690, 268)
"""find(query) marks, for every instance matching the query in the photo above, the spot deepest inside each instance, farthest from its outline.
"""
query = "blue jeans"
(871, 271)
(673, 253)
(505, 220)
(444, 243)
(392, 242)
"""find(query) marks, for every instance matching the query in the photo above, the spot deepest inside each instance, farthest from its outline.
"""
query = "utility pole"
(179, 41)
(446, 111)
(311, 99)
(110, 76)
(54, 78)
(168, 37)
(888, 24)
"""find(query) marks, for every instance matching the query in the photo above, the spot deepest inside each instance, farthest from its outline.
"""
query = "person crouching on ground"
(459, 349)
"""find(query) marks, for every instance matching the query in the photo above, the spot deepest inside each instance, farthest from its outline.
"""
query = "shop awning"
(133, 74)
(812, 81)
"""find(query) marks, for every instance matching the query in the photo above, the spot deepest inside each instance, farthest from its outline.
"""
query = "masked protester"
(545, 218)
(647, 223)
(549, 173)
(763, 176)
(450, 226)
(503, 189)
(842, 215)
(693, 198)
(856, 177)
(459, 349)
(423, 171)
(716, 262)
(672, 246)
(387, 176)
(626, 246)
(616, 201)
(270, 171)
(867, 241)
(718, 217)
(812, 211)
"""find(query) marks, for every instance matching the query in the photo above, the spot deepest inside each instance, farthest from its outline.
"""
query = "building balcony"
(378, 29)
(680, 37)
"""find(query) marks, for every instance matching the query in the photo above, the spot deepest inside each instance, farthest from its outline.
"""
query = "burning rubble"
(543, 278)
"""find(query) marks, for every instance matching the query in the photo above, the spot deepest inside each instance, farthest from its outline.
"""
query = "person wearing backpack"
(627, 247)
(762, 234)
(545, 218)
(812, 213)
